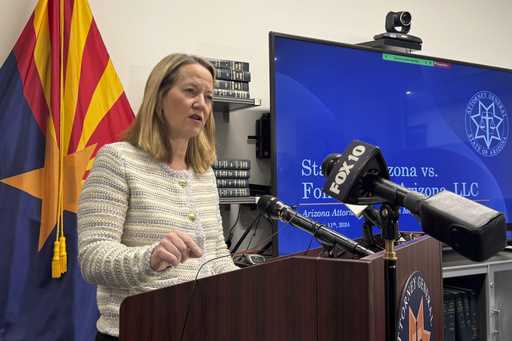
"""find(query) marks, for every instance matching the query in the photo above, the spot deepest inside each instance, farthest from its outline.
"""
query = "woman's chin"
(193, 133)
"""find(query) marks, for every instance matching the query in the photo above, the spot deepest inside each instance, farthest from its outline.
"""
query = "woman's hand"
(175, 248)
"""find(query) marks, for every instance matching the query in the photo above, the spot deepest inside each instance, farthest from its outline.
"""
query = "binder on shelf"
(230, 183)
(232, 78)
(231, 85)
(232, 164)
(229, 64)
(234, 192)
(232, 173)
(463, 329)
(238, 200)
(449, 315)
(471, 314)
(240, 94)
(232, 177)
(232, 75)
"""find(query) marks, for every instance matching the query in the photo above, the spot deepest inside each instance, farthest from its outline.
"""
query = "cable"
(189, 305)
(241, 239)
(230, 230)
(254, 232)
(263, 245)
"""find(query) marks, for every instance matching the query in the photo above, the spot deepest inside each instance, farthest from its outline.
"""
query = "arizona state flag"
(60, 101)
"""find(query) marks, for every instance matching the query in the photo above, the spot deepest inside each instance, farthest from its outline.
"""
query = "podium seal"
(415, 318)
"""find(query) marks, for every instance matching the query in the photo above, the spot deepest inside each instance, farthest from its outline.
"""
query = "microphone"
(274, 209)
(360, 176)
(358, 210)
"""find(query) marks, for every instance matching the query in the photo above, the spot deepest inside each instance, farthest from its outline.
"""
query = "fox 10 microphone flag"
(60, 101)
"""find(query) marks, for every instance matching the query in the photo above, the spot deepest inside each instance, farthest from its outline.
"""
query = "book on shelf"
(232, 177)
(462, 316)
(449, 316)
(234, 192)
(232, 164)
(239, 94)
(232, 78)
(231, 85)
(238, 200)
(229, 64)
(232, 173)
(229, 183)
(471, 311)
(232, 75)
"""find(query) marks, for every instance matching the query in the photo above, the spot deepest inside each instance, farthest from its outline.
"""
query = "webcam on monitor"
(396, 37)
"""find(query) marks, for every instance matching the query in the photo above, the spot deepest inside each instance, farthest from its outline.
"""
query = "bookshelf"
(492, 282)
(237, 200)
(226, 105)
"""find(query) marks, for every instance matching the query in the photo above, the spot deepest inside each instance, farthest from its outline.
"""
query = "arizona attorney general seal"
(487, 126)
(415, 316)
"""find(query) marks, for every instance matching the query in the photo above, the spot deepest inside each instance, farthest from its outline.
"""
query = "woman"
(149, 211)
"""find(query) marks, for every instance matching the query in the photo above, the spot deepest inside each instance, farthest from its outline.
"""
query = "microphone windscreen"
(474, 230)
(329, 162)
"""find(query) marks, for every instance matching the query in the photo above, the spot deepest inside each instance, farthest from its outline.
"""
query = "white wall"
(139, 33)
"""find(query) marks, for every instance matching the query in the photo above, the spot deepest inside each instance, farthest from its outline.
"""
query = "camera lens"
(405, 18)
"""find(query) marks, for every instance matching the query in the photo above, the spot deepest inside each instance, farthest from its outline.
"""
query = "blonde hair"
(150, 131)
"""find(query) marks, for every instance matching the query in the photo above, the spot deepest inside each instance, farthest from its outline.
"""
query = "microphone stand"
(368, 232)
(371, 218)
(389, 218)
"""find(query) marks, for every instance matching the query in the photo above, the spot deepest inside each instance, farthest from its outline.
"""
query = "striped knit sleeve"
(103, 204)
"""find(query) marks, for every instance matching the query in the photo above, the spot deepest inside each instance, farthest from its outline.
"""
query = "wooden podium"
(289, 298)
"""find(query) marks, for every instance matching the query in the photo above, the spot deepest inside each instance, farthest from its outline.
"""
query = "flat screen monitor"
(440, 124)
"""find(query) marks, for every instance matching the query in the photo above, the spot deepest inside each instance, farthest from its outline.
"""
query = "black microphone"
(360, 176)
(277, 210)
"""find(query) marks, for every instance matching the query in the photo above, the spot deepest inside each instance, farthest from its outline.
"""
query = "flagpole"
(62, 240)
(59, 262)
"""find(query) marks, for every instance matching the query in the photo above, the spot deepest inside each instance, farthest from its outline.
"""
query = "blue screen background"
(327, 95)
